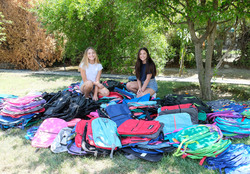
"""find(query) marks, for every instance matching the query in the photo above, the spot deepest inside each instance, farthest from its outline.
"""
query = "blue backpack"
(9, 122)
(139, 99)
(235, 156)
(119, 113)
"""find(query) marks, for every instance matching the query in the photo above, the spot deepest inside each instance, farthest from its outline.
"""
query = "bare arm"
(139, 86)
(97, 80)
(83, 75)
(145, 84)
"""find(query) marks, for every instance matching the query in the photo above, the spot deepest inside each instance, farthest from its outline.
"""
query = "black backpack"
(111, 84)
(176, 99)
(70, 105)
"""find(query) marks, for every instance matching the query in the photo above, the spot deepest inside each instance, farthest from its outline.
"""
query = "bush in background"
(27, 46)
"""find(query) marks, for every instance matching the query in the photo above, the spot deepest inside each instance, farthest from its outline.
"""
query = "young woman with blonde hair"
(91, 71)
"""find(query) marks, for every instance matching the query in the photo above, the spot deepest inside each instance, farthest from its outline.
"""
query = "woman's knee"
(104, 92)
(88, 85)
(128, 85)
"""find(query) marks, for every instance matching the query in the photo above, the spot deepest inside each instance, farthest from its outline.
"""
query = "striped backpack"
(234, 127)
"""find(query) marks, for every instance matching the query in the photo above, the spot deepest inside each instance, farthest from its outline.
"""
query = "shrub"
(27, 45)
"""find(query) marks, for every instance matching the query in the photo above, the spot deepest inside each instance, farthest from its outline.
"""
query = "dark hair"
(150, 65)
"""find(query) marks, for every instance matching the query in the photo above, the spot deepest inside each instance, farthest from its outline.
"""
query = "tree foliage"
(201, 18)
(27, 45)
(111, 26)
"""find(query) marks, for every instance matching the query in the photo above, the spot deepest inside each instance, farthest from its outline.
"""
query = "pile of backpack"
(21, 111)
(142, 127)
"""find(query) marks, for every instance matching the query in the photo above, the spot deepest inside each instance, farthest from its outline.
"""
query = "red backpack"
(180, 106)
(140, 128)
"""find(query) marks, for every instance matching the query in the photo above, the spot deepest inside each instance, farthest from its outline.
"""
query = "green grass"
(18, 156)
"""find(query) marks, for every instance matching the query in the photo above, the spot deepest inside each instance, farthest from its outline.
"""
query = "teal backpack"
(173, 123)
(200, 141)
(97, 136)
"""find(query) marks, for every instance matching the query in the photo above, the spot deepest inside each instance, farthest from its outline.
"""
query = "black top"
(143, 74)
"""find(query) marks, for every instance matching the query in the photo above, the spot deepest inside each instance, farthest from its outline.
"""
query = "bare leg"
(132, 86)
(147, 90)
(86, 88)
(103, 92)
(95, 96)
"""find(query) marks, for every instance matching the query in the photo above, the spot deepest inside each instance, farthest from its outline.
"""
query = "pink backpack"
(47, 132)
(24, 100)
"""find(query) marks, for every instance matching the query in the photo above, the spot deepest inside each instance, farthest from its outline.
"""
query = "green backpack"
(200, 141)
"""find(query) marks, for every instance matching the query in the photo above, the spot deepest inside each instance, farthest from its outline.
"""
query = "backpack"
(71, 145)
(143, 110)
(97, 136)
(233, 127)
(181, 108)
(200, 141)
(31, 132)
(7, 122)
(229, 114)
(143, 98)
(174, 122)
(69, 106)
(140, 128)
(246, 113)
(118, 113)
(61, 141)
(134, 140)
(47, 132)
(111, 84)
(20, 101)
(125, 93)
(175, 99)
(234, 156)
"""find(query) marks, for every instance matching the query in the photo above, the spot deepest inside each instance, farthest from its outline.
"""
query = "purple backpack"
(228, 114)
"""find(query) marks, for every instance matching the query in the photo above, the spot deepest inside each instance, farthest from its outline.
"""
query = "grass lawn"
(18, 156)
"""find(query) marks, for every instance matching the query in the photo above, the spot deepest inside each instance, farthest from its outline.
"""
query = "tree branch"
(192, 31)
(182, 4)
(221, 22)
(209, 29)
(175, 9)
(167, 17)
(229, 49)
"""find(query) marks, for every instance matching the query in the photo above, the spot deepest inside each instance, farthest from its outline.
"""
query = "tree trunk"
(208, 63)
(200, 67)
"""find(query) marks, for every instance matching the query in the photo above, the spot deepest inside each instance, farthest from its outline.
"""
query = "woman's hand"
(139, 91)
(100, 86)
(95, 98)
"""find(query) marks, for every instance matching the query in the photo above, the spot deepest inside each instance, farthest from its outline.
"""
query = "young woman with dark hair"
(145, 71)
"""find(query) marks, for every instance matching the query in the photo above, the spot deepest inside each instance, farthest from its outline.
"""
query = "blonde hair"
(85, 59)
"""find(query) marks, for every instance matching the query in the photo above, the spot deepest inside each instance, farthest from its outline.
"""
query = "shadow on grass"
(165, 88)
(168, 164)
